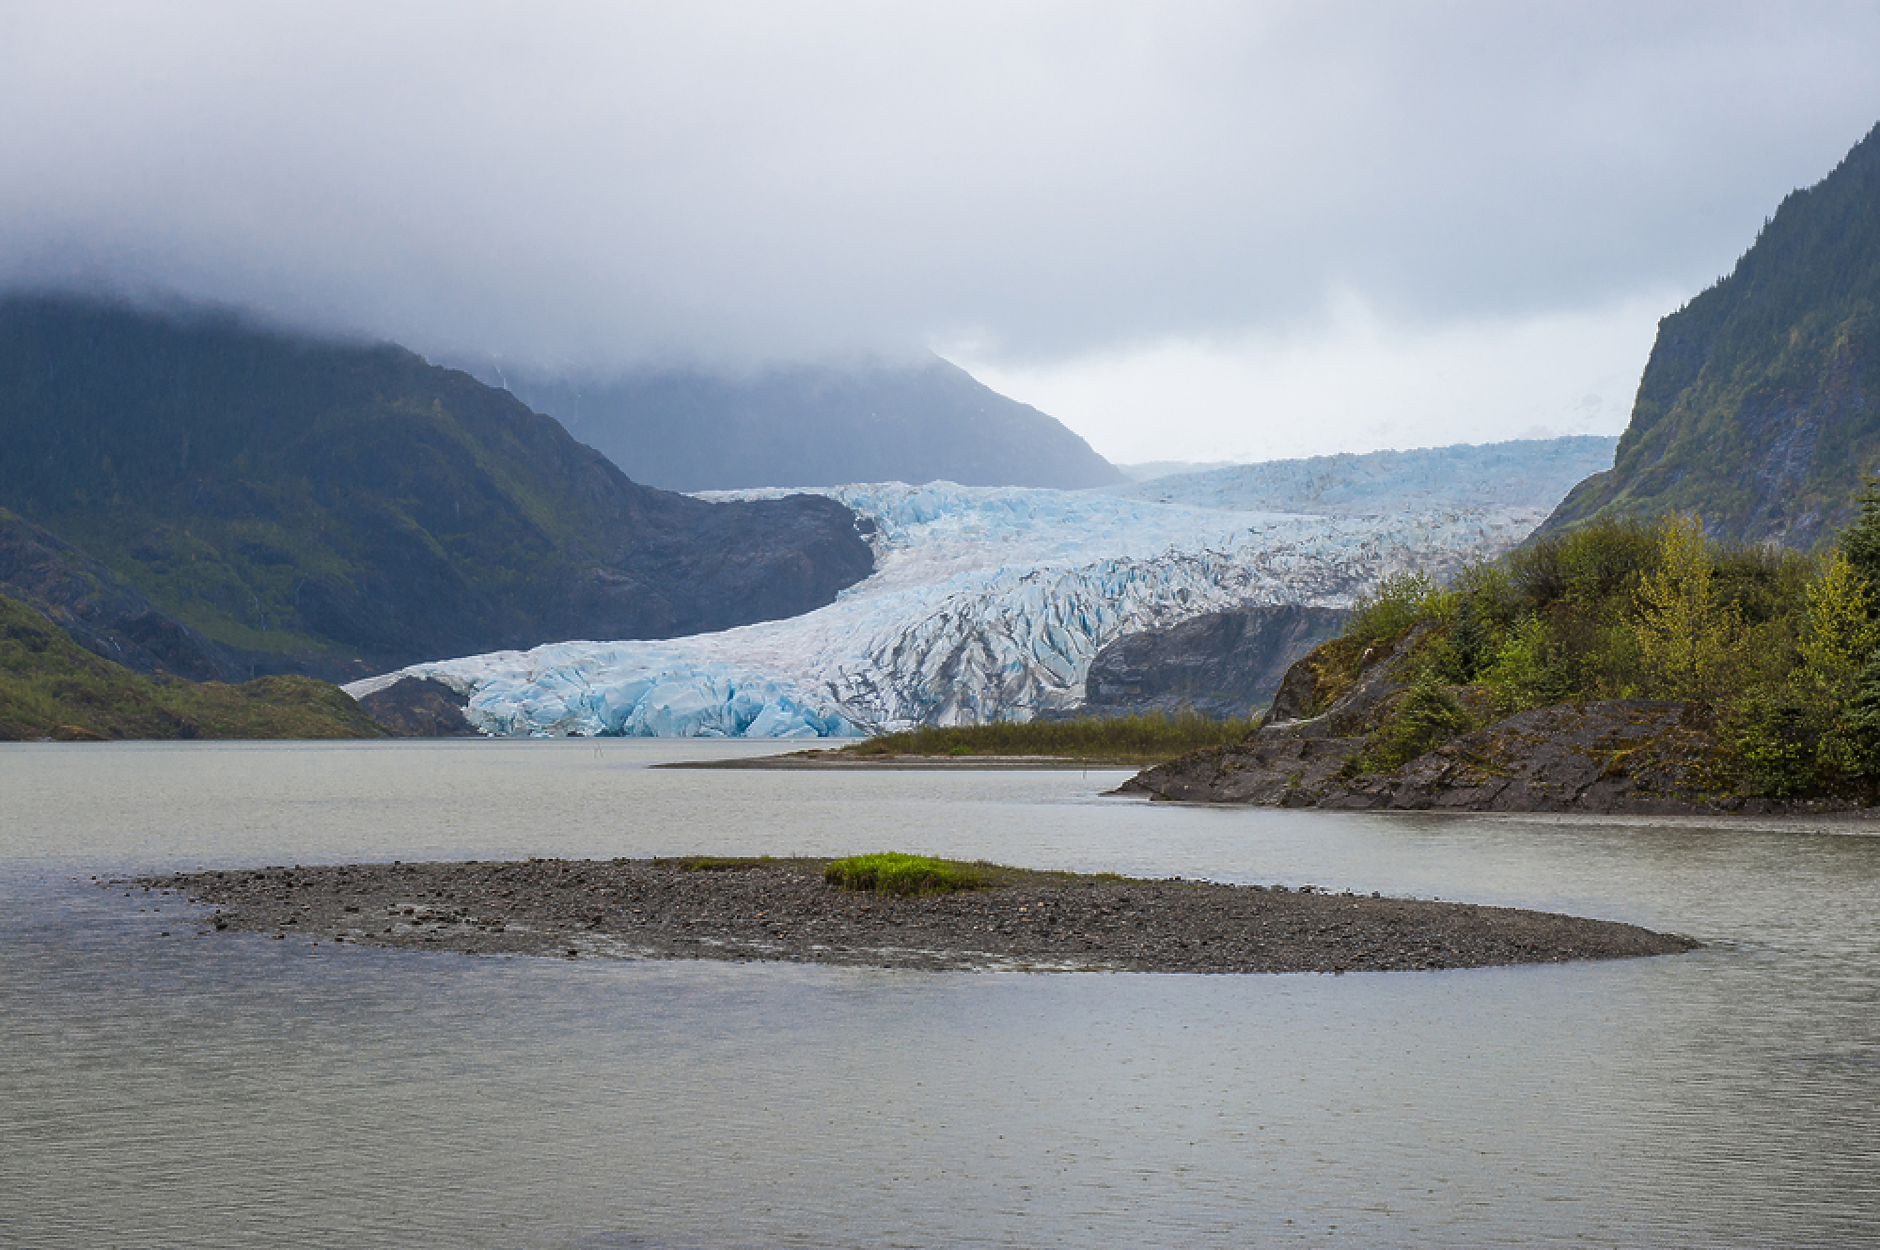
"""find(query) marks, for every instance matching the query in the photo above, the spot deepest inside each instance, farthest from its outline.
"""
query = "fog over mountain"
(817, 426)
(1200, 232)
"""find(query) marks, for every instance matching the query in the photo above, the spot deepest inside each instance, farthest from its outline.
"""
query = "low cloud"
(594, 185)
(1350, 381)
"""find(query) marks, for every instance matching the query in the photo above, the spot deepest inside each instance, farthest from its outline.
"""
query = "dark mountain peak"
(1760, 405)
(819, 425)
(342, 508)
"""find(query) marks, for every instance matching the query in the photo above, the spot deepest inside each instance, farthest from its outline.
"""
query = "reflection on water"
(188, 1090)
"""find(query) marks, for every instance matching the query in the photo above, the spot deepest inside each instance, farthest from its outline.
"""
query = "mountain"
(341, 508)
(51, 688)
(807, 425)
(1760, 406)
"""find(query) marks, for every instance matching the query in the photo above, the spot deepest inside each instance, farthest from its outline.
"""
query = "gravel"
(782, 910)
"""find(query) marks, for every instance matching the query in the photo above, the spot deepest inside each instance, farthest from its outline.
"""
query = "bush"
(1688, 642)
(891, 872)
(1427, 716)
(1518, 675)
(1603, 559)
(1761, 584)
(1488, 587)
(1778, 738)
(1399, 602)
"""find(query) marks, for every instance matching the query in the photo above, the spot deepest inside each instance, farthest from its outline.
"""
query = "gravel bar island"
(782, 909)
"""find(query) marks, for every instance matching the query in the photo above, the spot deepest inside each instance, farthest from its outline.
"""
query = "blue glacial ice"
(987, 603)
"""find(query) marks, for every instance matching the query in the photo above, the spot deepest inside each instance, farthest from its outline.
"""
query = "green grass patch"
(1148, 738)
(50, 687)
(891, 872)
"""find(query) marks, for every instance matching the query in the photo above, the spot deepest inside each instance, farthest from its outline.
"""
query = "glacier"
(1485, 475)
(986, 603)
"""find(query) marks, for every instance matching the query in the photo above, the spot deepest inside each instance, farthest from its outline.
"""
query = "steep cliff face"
(343, 509)
(1224, 664)
(1760, 405)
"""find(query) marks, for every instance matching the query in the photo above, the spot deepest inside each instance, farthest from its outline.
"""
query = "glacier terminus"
(989, 603)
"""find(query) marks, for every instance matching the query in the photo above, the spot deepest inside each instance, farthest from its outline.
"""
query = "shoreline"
(749, 910)
(834, 759)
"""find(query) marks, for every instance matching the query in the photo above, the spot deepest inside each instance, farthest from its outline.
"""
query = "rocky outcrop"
(1623, 755)
(414, 707)
(1635, 756)
(1224, 664)
(1317, 724)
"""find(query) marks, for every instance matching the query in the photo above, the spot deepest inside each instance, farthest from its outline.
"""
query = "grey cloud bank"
(1028, 187)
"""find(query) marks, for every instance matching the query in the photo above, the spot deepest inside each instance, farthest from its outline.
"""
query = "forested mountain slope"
(52, 688)
(1760, 406)
(340, 509)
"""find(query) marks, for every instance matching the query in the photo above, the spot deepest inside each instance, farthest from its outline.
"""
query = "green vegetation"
(1148, 738)
(891, 872)
(353, 508)
(1784, 646)
(1758, 406)
(1427, 716)
(52, 688)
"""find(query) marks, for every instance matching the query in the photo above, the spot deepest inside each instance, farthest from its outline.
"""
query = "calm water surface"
(183, 1090)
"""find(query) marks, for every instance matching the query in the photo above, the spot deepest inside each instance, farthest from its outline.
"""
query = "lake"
(159, 1087)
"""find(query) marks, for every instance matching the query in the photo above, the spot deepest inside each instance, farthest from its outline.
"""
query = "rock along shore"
(783, 910)
(1648, 757)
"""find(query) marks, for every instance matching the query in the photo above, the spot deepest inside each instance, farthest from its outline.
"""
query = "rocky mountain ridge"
(1759, 408)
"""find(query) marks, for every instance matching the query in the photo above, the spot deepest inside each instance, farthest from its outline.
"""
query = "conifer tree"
(1861, 539)
(1860, 723)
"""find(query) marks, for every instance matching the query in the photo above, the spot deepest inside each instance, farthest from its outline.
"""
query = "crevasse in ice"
(986, 603)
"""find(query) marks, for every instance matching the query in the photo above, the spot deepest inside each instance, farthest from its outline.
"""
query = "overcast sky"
(1190, 231)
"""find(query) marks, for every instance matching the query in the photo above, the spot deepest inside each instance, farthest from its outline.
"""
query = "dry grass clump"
(1151, 737)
